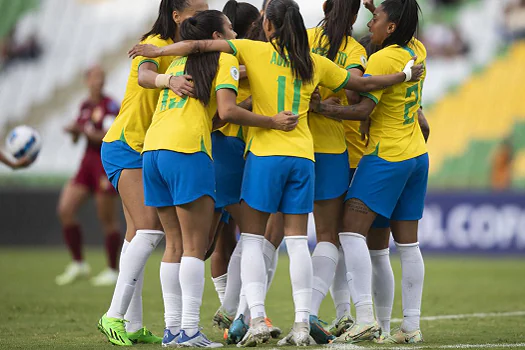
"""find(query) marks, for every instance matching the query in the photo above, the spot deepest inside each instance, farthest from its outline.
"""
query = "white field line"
(412, 347)
(461, 316)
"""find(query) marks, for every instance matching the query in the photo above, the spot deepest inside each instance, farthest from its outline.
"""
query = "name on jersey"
(178, 62)
(278, 60)
(340, 59)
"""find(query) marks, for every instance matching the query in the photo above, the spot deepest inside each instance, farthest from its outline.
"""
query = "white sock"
(324, 262)
(301, 275)
(253, 273)
(243, 305)
(134, 313)
(382, 287)
(271, 256)
(413, 271)
(273, 268)
(339, 290)
(220, 285)
(233, 283)
(172, 295)
(192, 286)
(132, 265)
(359, 267)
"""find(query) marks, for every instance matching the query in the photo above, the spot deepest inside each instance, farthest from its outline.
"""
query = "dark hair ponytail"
(290, 38)
(370, 48)
(242, 15)
(202, 67)
(165, 26)
(338, 24)
(405, 14)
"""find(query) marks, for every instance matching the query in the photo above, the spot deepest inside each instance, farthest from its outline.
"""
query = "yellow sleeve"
(242, 48)
(378, 65)
(357, 58)
(227, 73)
(153, 40)
(331, 76)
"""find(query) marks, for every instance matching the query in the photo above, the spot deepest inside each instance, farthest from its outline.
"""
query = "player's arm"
(411, 72)
(360, 111)
(369, 5)
(423, 124)
(230, 112)
(247, 104)
(182, 48)
(16, 164)
(149, 78)
(353, 97)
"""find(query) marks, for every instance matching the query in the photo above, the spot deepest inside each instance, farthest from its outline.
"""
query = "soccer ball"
(23, 141)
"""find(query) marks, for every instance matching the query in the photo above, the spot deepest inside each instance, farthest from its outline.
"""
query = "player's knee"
(65, 214)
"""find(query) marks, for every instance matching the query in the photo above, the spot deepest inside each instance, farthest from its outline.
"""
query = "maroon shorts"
(92, 175)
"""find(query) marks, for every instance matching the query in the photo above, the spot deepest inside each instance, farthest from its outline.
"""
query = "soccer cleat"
(341, 325)
(221, 319)
(73, 272)
(169, 339)
(114, 330)
(275, 332)
(400, 337)
(108, 277)
(199, 340)
(298, 336)
(258, 333)
(144, 336)
(237, 331)
(317, 331)
(359, 332)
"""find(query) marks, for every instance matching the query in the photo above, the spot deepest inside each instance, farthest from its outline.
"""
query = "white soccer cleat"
(107, 277)
(74, 271)
(359, 332)
(257, 334)
(199, 340)
(298, 336)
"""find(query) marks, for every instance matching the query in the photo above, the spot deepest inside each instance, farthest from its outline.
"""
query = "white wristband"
(408, 70)
(162, 81)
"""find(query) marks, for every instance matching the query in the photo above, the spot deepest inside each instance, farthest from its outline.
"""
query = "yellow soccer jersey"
(234, 130)
(329, 134)
(394, 132)
(275, 89)
(139, 104)
(185, 125)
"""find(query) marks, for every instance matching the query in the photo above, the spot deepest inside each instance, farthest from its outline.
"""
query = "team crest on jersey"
(364, 61)
(234, 71)
(97, 115)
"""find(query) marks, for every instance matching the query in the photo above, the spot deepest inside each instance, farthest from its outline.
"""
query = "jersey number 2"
(281, 95)
(414, 89)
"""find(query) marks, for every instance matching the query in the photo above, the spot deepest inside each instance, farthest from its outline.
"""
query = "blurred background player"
(97, 114)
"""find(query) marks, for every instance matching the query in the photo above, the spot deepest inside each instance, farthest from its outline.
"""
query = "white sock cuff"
(408, 245)
(222, 278)
(326, 250)
(411, 312)
(320, 285)
(247, 236)
(290, 238)
(150, 232)
(351, 234)
(124, 247)
(187, 258)
(379, 252)
(153, 236)
(268, 248)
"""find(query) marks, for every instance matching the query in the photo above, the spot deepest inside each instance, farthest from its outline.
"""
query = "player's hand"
(74, 129)
(21, 163)
(315, 101)
(413, 72)
(285, 121)
(364, 128)
(145, 50)
(182, 86)
(332, 101)
(369, 5)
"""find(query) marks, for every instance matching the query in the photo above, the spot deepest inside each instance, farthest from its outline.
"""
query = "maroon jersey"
(98, 116)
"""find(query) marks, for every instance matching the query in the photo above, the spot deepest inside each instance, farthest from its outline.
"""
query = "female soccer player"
(95, 117)
(392, 176)
(121, 156)
(279, 167)
(178, 169)
(333, 156)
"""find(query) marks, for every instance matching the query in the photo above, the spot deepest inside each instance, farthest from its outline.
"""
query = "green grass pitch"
(37, 314)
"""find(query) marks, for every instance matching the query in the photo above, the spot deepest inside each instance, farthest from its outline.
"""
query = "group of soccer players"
(266, 131)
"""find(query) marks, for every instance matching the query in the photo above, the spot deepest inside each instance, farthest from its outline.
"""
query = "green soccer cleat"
(400, 337)
(341, 325)
(358, 333)
(114, 330)
(222, 320)
(144, 336)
